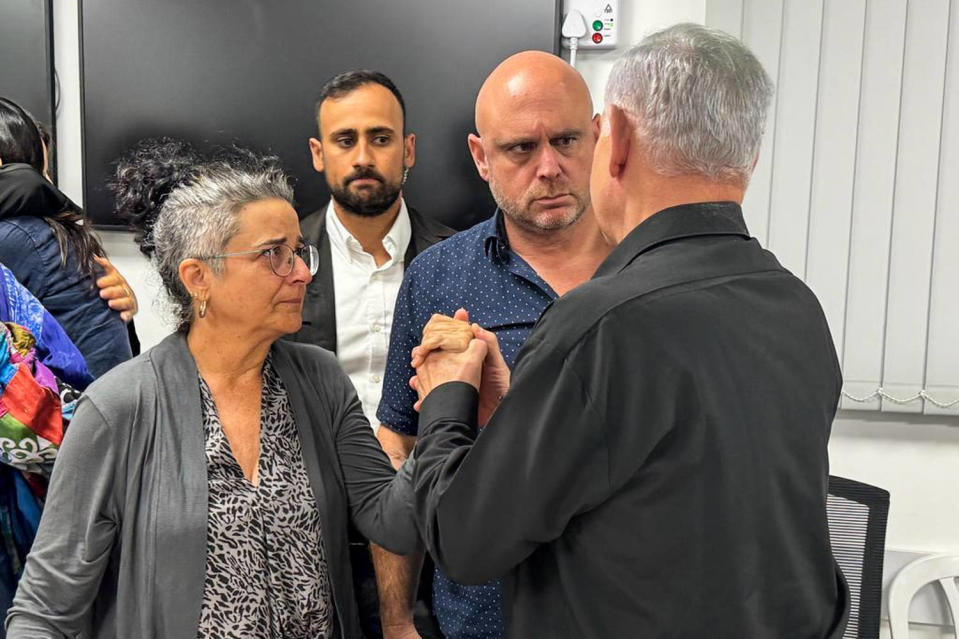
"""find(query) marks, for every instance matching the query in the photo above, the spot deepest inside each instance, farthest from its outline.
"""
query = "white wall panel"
(834, 159)
(878, 136)
(857, 186)
(942, 365)
(762, 24)
(795, 132)
(917, 172)
(726, 15)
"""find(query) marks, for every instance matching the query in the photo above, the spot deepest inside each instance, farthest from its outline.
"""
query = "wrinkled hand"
(448, 334)
(116, 291)
(444, 333)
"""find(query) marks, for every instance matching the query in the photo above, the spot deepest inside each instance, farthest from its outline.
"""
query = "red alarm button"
(597, 37)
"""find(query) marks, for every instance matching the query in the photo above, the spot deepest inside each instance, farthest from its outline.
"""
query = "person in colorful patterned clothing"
(38, 364)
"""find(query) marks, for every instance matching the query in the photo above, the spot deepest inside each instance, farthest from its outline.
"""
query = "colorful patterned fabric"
(31, 420)
(54, 348)
(34, 409)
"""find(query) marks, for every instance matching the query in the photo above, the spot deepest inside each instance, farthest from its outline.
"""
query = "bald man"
(535, 133)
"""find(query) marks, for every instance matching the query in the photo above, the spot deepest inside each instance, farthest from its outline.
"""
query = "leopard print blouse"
(266, 573)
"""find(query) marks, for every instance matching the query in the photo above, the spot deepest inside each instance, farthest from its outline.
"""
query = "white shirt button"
(376, 328)
(375, 379)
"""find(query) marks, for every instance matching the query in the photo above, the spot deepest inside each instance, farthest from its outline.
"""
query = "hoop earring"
(202, 310)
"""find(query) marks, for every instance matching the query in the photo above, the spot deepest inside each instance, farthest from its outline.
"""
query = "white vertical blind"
(834, 159)
(873, 186)
(726, 15)
(762, 29)
(857, 186)
(943, 345)
(914, 206)
(795, 131)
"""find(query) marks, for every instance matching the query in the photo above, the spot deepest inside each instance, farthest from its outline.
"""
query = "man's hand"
(496, 375)
(116, 291)
(439, 367)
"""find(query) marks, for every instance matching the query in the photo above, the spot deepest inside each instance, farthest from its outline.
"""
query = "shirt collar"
(495, 241)
(677, 222)
(395, 242)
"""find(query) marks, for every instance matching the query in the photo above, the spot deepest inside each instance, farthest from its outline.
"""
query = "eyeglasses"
(282, 257)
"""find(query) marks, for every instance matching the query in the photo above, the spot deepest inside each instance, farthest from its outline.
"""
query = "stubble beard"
(522, 215)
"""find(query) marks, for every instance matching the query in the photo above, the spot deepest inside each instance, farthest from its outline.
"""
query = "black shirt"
(659, 466)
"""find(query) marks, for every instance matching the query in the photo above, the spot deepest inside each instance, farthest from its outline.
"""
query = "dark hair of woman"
(152, 169)
(144, 177)
(21, 140)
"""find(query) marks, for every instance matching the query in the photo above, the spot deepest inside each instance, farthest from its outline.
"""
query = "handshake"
(453, 350)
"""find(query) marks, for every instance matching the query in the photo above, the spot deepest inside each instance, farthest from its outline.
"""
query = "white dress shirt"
(365, 294)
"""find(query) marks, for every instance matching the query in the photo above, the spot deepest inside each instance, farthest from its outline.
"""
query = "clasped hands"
(452, 349)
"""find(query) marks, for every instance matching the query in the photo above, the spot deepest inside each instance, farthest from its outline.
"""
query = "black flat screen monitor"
(249, 71)
(26, 57)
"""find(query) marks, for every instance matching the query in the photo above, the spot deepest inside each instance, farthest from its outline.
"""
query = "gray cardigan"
(121, 549)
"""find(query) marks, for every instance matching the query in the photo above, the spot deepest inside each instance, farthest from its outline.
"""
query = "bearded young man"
(366, 236)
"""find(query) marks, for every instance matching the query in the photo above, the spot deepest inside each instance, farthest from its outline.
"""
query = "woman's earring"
(202, 310)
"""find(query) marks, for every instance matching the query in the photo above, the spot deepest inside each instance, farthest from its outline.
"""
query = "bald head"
(535, 145)
(529, 78)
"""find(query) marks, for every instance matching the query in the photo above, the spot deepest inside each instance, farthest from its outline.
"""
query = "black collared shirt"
(659, 466)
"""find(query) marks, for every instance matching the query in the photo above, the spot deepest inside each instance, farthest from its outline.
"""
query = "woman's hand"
(454, 336)
(116, 291)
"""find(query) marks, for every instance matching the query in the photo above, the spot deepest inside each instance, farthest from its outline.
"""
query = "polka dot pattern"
(475, 270)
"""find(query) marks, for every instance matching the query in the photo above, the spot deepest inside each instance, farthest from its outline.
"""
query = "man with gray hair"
(657, 466)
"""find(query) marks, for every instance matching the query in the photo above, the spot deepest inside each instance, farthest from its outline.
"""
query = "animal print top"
(266, 573)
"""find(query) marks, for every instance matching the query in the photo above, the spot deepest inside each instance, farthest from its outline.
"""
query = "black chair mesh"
(857, 516)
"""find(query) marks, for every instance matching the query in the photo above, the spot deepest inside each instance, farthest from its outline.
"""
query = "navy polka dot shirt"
(476, 270)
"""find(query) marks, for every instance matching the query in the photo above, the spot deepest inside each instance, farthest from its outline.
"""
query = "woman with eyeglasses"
(204, 488)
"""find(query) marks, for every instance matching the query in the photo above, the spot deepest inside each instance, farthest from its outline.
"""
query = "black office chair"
(857, 516)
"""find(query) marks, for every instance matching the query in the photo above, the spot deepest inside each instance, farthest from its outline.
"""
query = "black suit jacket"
(319, 327)
(319, 308)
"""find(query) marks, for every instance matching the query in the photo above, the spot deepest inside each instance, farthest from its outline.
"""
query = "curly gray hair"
(198, 217)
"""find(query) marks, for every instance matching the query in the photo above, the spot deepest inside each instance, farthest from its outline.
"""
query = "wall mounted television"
(248, 72)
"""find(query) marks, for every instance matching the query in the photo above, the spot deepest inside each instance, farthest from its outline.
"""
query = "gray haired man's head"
(698, 98)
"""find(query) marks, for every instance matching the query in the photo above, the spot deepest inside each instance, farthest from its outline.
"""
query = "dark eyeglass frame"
(307, 252)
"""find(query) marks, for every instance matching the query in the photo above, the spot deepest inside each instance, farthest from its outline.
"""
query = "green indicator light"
(597, 25)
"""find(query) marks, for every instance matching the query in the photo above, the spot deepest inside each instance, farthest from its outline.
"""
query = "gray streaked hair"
(698, 97)
(198, 218)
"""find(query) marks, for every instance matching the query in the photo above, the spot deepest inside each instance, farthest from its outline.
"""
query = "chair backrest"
(941, 569)
(857, 515)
